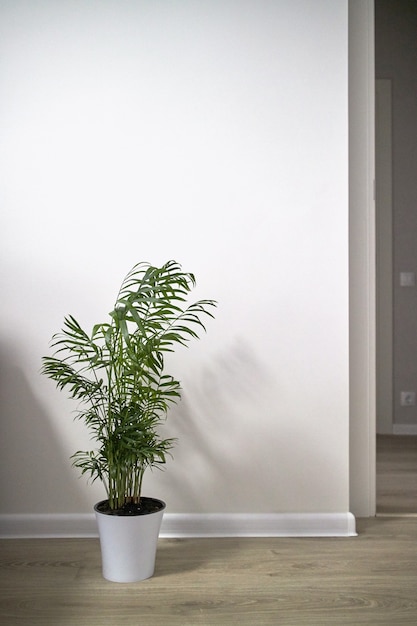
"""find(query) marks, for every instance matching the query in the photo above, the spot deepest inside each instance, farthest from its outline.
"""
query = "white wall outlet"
(407, 279)
(408, 398)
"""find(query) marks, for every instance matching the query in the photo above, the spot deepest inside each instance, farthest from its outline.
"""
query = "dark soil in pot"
(144, 507)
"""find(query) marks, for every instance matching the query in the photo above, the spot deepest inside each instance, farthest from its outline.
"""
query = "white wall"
(212, 132)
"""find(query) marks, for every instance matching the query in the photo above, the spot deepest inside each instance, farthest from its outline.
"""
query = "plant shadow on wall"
(245, 446)
(221, 424)
(35, 476)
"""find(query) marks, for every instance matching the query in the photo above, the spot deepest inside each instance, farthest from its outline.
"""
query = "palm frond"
(116, 372)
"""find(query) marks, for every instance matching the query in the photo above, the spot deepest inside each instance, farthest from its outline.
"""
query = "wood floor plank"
(370, 579)
(396, 472)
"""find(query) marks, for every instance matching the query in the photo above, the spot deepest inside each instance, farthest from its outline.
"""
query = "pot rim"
(146, 498)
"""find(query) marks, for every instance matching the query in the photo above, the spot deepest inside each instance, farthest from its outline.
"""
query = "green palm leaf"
(117, 374)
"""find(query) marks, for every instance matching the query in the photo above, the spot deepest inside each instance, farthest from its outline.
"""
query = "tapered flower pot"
(128, 542)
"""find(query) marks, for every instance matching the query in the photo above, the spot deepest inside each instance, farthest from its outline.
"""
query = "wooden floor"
(369, 579)
(396, 474)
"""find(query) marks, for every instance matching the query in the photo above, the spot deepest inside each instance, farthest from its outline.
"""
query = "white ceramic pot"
(128, 543)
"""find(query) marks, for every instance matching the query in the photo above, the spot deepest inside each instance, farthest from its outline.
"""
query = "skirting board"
(404, 429)
(182, 525)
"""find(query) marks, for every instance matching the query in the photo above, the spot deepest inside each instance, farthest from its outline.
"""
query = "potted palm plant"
(117, 374)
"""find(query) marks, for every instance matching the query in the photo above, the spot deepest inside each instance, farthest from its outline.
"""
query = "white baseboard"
(404, 429)
(259, 525)
(182, 525)
(48, 526)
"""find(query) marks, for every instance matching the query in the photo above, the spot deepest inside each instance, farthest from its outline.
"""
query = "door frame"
(384, 257)
(362, 265)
